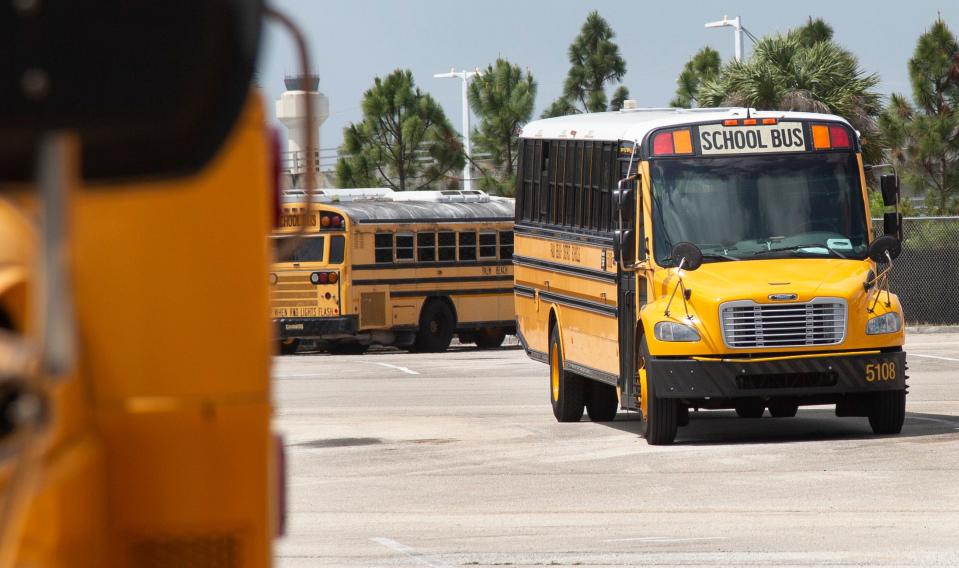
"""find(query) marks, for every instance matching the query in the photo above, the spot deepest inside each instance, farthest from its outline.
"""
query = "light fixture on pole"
(737, 25)
(465, 76)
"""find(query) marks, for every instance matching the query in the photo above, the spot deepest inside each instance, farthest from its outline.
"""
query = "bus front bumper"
(306, 328)
(732, 377)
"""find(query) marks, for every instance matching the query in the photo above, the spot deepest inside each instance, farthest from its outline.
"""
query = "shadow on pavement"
(814, 424)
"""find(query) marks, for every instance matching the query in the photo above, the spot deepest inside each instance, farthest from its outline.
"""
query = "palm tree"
(790, 72)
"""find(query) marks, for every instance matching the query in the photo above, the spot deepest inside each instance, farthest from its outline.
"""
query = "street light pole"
(465, 76)
(737, 25)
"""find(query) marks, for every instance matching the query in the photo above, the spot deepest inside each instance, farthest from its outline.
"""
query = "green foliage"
(404, 140)
(923, 137)
(594, 61)
(502, 97)
(786, 72)
(814, 31)
(703, 66)
(619, 97)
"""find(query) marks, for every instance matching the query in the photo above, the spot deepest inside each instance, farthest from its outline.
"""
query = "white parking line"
(913, 354)
(397, 367)
(412, 553)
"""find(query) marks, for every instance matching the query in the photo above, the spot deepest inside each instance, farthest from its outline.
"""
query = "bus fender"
(554, 321)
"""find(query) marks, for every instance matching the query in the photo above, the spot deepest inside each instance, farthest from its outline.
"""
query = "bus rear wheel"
(489, 337)
(436, 328)
(888, 412)
(660, 415)
(289, 346)
(565, 388)
(602, 402)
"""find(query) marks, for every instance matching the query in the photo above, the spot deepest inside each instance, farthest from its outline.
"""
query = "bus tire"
(888, 412)
(346, 348)
(750, 408)
(490, 337)
(565, 388)
(436, 328)
(662, 419)
(782, 408)
(602, 402)
(288, 346)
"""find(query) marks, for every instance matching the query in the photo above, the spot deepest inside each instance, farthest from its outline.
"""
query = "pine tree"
(703, 66)
(594, 61)
(503, 98)
(404, 141)
(923, 137)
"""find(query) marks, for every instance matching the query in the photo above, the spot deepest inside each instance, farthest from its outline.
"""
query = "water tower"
(291, 111)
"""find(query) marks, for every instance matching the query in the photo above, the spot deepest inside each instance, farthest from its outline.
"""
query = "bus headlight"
(672, 331)
(888, 323)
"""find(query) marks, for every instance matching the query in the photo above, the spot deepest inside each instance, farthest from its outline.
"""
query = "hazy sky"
(352, 41)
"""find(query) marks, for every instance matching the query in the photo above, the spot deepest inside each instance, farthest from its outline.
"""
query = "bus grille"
(821, 321)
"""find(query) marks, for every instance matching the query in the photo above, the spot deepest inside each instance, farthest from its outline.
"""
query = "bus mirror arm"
(624, 245)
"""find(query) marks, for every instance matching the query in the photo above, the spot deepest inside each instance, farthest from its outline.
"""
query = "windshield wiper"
(708, 255)
(797, 247)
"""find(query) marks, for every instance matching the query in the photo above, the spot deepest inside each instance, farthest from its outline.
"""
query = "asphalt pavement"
(455, 459)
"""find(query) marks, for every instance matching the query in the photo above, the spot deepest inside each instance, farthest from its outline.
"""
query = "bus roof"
(373, 212)
(635, 124)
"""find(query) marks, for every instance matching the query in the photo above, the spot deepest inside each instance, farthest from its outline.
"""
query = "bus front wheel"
(436, 328)
(565, 389)
(289, 346)
(888, 412)
(660, 415)
(347, 348)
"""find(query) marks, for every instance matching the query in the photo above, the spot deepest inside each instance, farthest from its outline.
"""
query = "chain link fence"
(926, 275)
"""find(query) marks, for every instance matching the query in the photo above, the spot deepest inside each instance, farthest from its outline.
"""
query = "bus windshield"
(310, 249)
(759, 207)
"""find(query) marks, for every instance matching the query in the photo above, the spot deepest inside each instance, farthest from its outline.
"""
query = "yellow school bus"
(124, 441)
(409, 269)
(710, 258)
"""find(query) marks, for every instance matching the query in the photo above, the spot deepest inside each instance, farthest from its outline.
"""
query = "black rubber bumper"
(686, 378)
(305, 328)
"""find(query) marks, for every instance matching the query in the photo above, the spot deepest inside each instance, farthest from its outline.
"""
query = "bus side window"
(468, 245)
(506, 245)
(404, 247)
(487, 248)
(447, 246)
(337, 244)
(426, 247)
(383, 246)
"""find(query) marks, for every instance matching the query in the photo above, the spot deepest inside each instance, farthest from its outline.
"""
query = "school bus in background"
(711, 258)
(409, 269)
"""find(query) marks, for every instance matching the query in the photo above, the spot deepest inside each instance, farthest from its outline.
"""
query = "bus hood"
(769, 280)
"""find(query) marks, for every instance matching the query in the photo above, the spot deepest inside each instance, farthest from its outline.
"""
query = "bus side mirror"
(883, 246)
(889, 184)
(892, 225)
(624, 247)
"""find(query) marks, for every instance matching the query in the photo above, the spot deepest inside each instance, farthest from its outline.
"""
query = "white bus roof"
(346, 195)
(635, 124)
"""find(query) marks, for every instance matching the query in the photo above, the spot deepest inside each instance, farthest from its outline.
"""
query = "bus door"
(627, 197)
